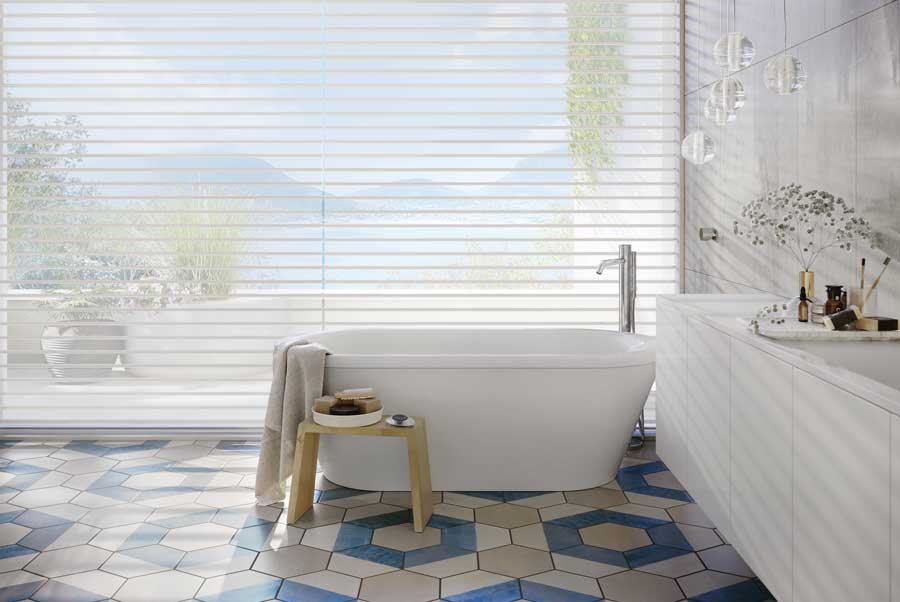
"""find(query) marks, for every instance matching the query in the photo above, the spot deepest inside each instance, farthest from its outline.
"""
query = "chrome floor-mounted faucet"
(627, 264)
(626, 261)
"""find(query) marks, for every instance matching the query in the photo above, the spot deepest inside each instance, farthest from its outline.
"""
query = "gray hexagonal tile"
(400, 586)
(220, 560)
(76, 559)
(404, 538)
(291, 561)
(506, 516)
(515, 561)
(116, 516)
(168, 586)
(146, 560)
(615, 537)
(197, 537)
(634, 586)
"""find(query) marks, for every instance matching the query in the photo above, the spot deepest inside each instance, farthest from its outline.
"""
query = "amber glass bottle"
(803, 307)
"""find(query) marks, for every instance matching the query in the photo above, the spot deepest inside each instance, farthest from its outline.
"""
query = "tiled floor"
(163, 521)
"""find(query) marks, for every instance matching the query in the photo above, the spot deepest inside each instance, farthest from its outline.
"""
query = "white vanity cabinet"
(671, 377)
(708, 409)
(841, 494)
(800, 472)
(895, 507)
(762, 469)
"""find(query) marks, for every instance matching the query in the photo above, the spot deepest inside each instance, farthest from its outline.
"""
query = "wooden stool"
(304, 480)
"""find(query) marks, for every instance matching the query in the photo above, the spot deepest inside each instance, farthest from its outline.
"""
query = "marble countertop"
(868, 369)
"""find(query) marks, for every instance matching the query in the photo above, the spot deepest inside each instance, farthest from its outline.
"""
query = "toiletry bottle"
(833, 302)
(803, 307)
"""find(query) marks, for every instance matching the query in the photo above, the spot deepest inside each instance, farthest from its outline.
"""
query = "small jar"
(817, 315)
(836, 299)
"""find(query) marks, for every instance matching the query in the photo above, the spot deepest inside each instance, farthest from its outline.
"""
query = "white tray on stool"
(348, 422)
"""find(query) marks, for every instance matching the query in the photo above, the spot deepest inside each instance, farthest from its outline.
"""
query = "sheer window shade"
(185, 182)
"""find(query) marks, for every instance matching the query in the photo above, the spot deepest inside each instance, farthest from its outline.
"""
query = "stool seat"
(307, 453)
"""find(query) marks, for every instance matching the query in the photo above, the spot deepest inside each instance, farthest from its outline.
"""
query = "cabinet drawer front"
(841, 495)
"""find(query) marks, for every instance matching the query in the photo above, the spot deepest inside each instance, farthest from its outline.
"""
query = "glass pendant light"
(784, 74)
(733, 51)
(716, 113)
(728, 94)
(697, 147)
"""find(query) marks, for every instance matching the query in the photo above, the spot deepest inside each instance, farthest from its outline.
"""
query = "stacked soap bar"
(362, 399)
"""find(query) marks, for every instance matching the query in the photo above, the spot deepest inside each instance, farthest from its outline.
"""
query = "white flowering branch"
(805, 223)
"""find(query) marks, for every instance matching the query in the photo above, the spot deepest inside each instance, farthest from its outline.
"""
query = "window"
(186, 182)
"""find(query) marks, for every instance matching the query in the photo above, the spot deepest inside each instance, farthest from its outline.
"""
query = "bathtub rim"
(644, 354)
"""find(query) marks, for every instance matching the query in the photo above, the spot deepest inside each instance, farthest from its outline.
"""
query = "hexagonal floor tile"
(563, 511)
(507, 516)
(515, 561)
(399, 586)
(320, 515)
(181, 516)
(58, 537)
(404, 538)
(323, 585)
(590, 561)
(92, 585)
(476, 537)
(183, 452)
(441, 561)
(557, 585)
(690, 514)
(337, 537)
(105, 496)
(366, 561)
(634, 586)
(267, 536)
(226, 497)
(14, 557)
(349, 498)
(11, 533)
(479, 585)
(143, 561)
(76, 559)
(116, 516)
(95, 480)
(48, 516)
(726, 560)
(675, 567)
(220, 560)
(86, 465)
(615, 537)
(246, 586)
(128, 536)
(468, 501)
(596, 498)
(154, 480)
(46, 496)
(246, 516)
(545, 536)
(291, 561)
(197, 537)
(697, 584)
(19, 585)
(168, 586)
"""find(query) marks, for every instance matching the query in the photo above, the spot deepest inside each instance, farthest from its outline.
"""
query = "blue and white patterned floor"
(164, 521)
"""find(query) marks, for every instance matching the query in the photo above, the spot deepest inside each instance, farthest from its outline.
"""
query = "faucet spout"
(609, 263)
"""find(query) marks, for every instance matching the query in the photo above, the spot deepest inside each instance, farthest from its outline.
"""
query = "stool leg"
(303, 483)
(419, 476)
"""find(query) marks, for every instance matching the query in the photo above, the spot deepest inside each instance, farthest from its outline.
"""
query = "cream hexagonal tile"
(226, 497)
(615, 537)
(220, 560)
(154, 480)
(400, 586)
(663, 479)
(474, 581)
(545, 500)
(404, 538)
(468, 501)
(515, 561)
(690, 514)
(725, 560)
(634, 586)
(678, 566)
(197, 537)
(91, 585)
(46, 496)
(597, 497)
(146, 560)
(77, 559)
(168, 586)
(507, 516)
(245, 586)
(319, 516)
(116, 516)
(562, 511)
(291, 561)
(639, 510)
(86, 465)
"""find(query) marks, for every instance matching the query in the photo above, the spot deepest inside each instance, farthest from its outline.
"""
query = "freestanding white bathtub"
(510, 410)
